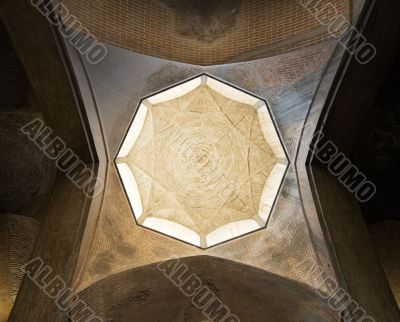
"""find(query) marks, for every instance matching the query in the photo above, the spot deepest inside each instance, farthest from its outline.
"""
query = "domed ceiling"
(202, 162)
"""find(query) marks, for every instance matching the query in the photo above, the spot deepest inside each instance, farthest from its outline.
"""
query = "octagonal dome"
(202, 162)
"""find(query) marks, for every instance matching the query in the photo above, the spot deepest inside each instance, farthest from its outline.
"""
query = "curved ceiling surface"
(202, 162)
(206, 32)
(252, 294)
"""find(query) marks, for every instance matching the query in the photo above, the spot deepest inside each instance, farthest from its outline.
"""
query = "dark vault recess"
(377, 152)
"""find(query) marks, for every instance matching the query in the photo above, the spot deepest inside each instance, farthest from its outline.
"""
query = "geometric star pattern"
(202, 162)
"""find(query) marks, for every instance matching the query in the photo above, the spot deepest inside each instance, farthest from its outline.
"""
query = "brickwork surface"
(153, 28)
